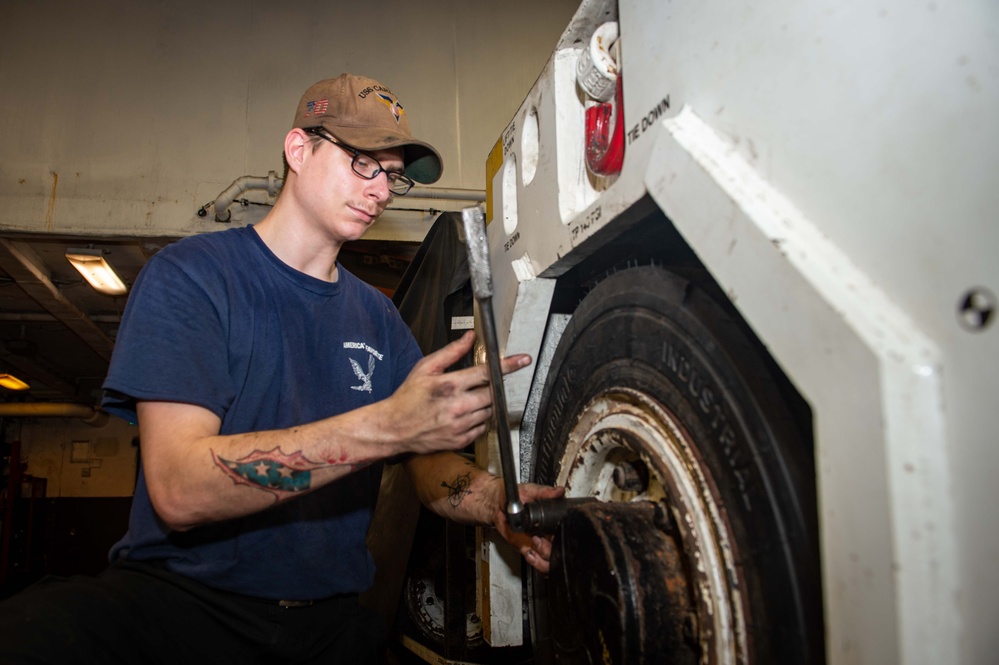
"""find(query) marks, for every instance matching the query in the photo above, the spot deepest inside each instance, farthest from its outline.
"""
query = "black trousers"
(141, 613)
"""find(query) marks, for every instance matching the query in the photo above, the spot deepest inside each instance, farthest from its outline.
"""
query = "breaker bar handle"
(482, 288)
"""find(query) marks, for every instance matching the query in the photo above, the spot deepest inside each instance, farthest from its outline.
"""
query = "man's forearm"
(196, 476)
(453, 487)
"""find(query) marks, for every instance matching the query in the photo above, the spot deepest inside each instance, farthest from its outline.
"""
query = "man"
(269, 385)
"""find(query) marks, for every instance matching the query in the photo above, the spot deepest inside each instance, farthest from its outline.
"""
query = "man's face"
(343, 203)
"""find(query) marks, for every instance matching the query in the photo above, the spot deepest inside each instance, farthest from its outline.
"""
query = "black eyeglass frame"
(395, 178)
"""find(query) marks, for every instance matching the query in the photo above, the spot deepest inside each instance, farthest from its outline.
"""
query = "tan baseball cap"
(366, 115)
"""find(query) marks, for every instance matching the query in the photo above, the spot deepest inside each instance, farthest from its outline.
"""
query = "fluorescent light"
(96, 270)
(11, 382)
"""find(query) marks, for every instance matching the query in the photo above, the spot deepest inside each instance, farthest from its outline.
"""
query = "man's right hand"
(438, 410)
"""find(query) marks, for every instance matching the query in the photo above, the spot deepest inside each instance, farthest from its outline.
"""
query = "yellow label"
(493, 164)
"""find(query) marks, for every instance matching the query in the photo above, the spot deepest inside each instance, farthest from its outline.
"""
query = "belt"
(287, 603)
(295, 603)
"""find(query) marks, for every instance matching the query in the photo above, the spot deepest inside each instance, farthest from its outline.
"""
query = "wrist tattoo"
(272, 470)
(458, 490)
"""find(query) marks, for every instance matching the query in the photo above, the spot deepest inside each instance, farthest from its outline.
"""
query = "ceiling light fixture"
(11, 382)
(96, 270)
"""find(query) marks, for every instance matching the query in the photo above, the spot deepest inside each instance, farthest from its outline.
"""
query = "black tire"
(662, 336)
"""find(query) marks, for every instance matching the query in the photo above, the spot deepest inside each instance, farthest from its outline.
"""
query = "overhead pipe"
(272, 183)
(88, 414)
(445, 193)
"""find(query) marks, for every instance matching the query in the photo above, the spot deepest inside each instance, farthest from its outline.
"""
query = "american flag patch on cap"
(317, 107)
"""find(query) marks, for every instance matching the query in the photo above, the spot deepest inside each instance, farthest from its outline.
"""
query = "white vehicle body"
(836, 169)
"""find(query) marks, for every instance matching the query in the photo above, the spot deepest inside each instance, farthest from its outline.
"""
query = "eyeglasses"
(367, 166)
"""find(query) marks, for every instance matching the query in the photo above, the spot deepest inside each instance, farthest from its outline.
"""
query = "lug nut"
(631, 476)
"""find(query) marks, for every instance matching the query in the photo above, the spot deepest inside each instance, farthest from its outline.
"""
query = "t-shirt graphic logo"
(364, 377)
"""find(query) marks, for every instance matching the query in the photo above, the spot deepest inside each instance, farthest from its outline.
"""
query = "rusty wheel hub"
(618, 589)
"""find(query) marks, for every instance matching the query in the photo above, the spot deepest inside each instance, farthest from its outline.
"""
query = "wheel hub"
(618, 589)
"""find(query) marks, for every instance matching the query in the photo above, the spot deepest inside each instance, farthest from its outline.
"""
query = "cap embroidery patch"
(392, 104)
(317, 107)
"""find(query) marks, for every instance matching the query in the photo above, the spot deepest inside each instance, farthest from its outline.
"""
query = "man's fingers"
(532, 492)
(477, 377)
(535, 550)
(441, 359)
(537, 557)
(542, 546)
(452, 406)
(538, 563)
(515, 362)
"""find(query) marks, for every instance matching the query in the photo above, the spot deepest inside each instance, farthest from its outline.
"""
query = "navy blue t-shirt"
(217, 320)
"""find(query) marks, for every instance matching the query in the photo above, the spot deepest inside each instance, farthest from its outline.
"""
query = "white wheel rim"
(623, 423)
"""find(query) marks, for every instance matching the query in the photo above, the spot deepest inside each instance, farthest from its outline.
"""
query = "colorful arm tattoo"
(273, 471)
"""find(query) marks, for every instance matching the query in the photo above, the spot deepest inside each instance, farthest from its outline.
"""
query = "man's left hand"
(536, 550)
